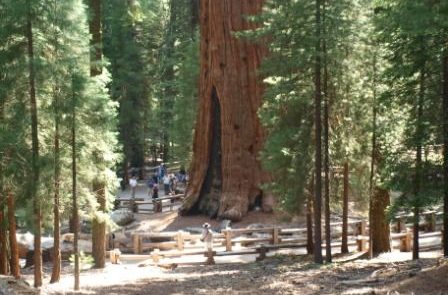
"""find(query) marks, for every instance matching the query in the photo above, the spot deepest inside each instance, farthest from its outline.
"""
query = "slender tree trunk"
(56, 273)
(14, 248)
(4, 268)
(373, 157)
(344, 246)
(37, 211)
(418, 165)
(74, 190)
(225, 170)
(318, 126)
(326, 142)
(99, 187)
(445, 152)
(309, 218)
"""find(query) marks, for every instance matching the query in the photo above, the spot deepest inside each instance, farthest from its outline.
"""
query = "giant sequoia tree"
(225, 171)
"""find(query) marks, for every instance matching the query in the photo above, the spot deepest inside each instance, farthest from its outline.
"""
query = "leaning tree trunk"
(14, 248)
(380, 225)
(225, 171)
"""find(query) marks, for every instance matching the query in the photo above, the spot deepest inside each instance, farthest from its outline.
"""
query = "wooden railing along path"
(256, 241)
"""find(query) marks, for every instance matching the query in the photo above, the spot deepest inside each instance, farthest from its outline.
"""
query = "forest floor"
(390, 273)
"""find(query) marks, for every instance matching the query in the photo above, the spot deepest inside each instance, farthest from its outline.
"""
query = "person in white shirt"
(133, 185)
(166, 184)
(207, 236)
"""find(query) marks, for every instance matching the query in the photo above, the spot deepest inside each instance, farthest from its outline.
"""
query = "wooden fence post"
(180, 240)
(228, 239)
(262, 253)
(155, 256)
(431, 222)
(361, 241)
(406, 242)
(275, 236)
(137, 244)
(210, 260)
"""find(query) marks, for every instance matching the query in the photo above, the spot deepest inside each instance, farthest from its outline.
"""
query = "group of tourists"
(170, 181)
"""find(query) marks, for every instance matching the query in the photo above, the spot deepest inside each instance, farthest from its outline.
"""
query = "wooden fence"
(157, 204)
(258, 241)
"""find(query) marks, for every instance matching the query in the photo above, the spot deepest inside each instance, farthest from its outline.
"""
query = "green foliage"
(61, 48)
(288, 108)
(412, 34)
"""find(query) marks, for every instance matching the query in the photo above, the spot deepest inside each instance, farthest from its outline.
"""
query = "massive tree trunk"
(379, 225)
(14, 249)
(225, 171)
(99, 187)
(445, 153)
(37, 210)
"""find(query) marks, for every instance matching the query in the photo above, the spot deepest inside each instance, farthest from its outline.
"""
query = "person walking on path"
(150, 186)
(133, 185)
(166, 184)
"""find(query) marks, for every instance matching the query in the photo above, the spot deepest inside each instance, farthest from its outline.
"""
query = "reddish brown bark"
(380, 225)
(14, 248)
(3, 246)
(225, 171)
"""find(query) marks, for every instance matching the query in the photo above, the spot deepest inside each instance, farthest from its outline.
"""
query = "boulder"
(122, 217)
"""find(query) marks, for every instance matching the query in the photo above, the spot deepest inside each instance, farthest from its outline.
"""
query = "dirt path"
(276, 275)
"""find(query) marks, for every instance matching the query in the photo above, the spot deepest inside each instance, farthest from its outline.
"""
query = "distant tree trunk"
(418, 165)
(14, 248)
(225, 170)
(344, 246)
(56, 273)
(74, 189)
(37, 211)
(380, 226)
(99, 187)
(445, 152)
(318, 155)
(309, 218)
(4, 269)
